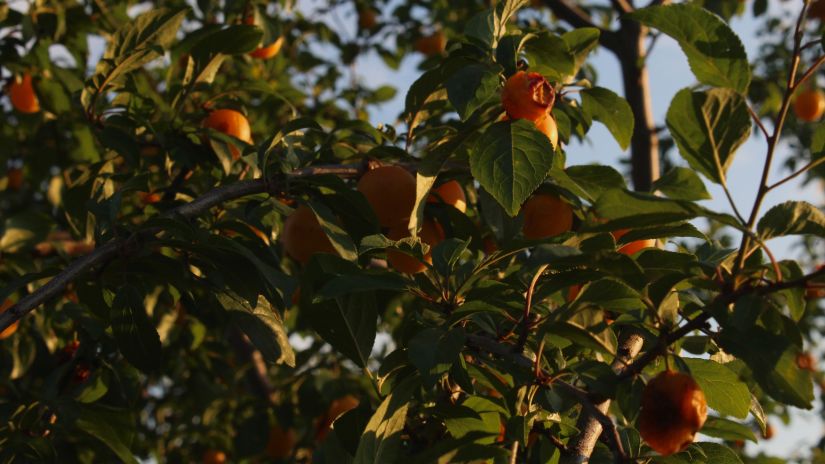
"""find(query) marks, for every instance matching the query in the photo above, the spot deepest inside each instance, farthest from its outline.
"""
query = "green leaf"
(134, 333)
(792, 218)
(632, 209)
(681, 184)
(709, 126)
(433, 351)
(472, 86)
(613, 111)
(772, 359)
(715, 53)
(724, 391)
(510, 160)
(263, 325)
(348, 322)
(232, 40)
(339, 238)
(560, 57)
(114, 427)
(381, 441)
(725, 429)
(594, 179)
(611, 294)
(363, 282)
(136, 43)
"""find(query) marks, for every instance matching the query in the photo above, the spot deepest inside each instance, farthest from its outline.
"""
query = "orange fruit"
(337, 408)
(547, 125)
(817, 10)
(431, 234)
(673, 410)
(367, 19)
(149, 198)
(450, 193)
(633, 247)
(489, 245)
(573, 292)
(809, 105)
(431, 45)
(22, 96)
(390, 190)
(10, 330)
(527, 96)
(768, 433)
(267, 52)
(14, 179)
(303, 236)
(214, 457)
(77, 247)
(280, 443)
(806, 361)
(232, 123)
(545, 216)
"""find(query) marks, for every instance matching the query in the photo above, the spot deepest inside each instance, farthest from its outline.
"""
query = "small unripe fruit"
(527, 96)
(673, 410)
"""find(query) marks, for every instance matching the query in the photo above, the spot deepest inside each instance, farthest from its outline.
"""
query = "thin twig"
(798, 173)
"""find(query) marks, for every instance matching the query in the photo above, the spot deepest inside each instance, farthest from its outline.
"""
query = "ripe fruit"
(633, 247)
(267, 52)
(149, 198)
(232, 123)
(809, 105)
(450, 193)
(573, 292)
(817, 10)
(14, 179)
(22, 96)
(806, 361)
(768, 433)
(548, 127)
(431, 45)
(367, 19)
(214, 457)
(673, 410)
(303, 236)
(280, 443)
(527, 96)
(545, 216)
(336, 409)
(431, 234)
(10, 330)
(390, 190)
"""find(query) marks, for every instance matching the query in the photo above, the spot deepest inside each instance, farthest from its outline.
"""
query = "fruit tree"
(211, 250)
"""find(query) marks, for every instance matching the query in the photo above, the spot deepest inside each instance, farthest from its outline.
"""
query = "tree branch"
(126, 246)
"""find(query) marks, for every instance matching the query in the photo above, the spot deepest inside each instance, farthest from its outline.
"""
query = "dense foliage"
(209, 253)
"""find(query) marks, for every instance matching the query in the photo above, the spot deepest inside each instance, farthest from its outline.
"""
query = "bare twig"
(798, 173)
